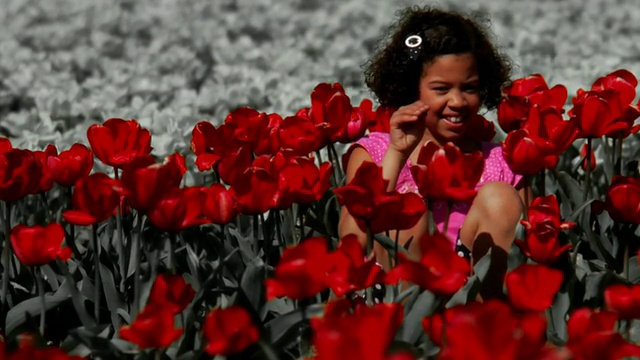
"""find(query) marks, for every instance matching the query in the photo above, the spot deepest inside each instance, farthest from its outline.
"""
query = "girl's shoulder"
(375, 143)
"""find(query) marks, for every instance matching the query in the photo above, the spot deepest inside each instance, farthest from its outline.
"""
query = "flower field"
(172, 178)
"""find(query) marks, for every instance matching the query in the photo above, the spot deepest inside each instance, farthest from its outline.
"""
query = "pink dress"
(495, 169)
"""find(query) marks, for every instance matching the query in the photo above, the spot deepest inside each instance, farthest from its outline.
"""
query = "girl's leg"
(491, 224)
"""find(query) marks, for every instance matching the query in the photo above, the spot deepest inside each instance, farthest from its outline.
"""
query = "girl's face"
(450, 86)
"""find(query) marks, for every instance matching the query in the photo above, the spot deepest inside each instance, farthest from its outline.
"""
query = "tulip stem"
(587, 178)
(279, 231)
(137, 249)
(71, 239)
(618, 164)
(395, 253)
(120, 240)
(266, 239)
(97, 282)
(43, 304)
(336, 166)
(7, 256)
(542, 184)
(173, 240)
(626, 232)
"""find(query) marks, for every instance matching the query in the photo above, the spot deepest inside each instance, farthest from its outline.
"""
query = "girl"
(438, 68)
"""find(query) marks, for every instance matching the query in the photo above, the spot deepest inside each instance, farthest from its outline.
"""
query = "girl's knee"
(500, 199)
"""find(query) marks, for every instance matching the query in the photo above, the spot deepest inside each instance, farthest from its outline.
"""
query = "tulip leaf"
(595, 284)
(411, 329)
(570, 188)
(77, 298)
(193, 262)
(111, 294)
(252, 282)
(285, 329)
(557, 326)
(33, 306)
(471, 289)
(389, 245)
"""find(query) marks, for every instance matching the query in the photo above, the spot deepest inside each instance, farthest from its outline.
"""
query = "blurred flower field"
(66, 64)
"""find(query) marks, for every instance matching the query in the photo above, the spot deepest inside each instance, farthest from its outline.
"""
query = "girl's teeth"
(454, 120)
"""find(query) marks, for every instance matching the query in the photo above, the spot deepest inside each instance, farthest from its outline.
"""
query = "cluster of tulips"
(268, 164)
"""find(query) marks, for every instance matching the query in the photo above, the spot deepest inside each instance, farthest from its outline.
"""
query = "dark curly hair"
(394, 78)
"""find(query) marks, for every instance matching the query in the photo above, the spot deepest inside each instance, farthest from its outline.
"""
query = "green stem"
(137, 249)
(43, 305)
(45, 201)
(7, 256)
(279, 231)
(266, 239)
(71, 240)
(122, 259)
(255, 224)
(626, 232)
(319, 156)
(97, 282)
(395, 253)
(173, 240)
(587, 179)
(543, 182)
(618, 164)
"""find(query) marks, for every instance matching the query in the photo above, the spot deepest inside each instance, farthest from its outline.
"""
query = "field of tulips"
(174, 237)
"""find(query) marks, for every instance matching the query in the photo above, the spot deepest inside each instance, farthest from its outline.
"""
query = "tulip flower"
(366, 334)
(39, 245)
(118, 141)
(302, 270)
(269, 143)
(381, 119)
(46, 180)
(27, 350)
(153, 328)
(248, 125)
(228, 331)
(204, 137)
(624, 300)
(178, 209)
(330, 109)
(220, 205)
(351, 271)
(480, 129)
(592, 335)
(256, 191)
(532, 287)
(623, 200)
(358, 123)
(300, 135)
(446, 174)
(70, 165)
(171, 292)
(368, 201)
(94, 199)
(20, 173)
(5, 145)
(439, 269)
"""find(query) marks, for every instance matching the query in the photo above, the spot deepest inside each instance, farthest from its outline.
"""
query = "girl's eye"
(472, 89)
(440, 90)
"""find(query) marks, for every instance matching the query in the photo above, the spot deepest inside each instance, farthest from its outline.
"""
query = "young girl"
(438, 68)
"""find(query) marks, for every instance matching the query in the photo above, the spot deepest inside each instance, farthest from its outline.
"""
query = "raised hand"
(407, 127)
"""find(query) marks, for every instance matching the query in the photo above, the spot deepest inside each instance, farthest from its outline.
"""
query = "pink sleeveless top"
(495, 169)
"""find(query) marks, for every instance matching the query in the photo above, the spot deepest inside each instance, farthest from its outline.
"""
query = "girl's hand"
(407, 127)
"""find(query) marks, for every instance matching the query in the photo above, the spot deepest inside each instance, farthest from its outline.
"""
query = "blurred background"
(66, 64)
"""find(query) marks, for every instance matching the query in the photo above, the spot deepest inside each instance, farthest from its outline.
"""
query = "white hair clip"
(413, 42)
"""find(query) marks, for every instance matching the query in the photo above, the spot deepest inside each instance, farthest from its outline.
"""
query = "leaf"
(252, 283)
(470, 290)
(193, 261)
(111, 294)
(411, 329)
(389, 245)
(571, 188)
(594, 285)
(33, 306)
(557, 324)
(285, 328)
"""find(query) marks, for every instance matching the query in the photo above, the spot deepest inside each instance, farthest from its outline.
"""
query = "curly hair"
(394, 77)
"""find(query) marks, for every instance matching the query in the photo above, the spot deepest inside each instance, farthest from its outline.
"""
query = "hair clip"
(413, 42)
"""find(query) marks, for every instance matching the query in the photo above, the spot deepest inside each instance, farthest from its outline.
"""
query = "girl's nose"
(457, 99)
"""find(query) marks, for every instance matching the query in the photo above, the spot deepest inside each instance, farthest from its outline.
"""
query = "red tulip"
(152, 329)
(524, 154)
(543, 226)
(445, 173)
(352, 272)
(491, 330)
(145, 182)
(20, 173)
(236, 160)
(592, 335)
(330, 109)
(300, 135)
(220, 204)
(592, 157)
(118, 141)
(71, 165)
(623, 200)
(248, 125)
(171, 292)
(368, 201)
(178, 209)
(439, 269)
(38, 245)
(27, 350)
(204, 139)
(533, 287)
(358, 123)
(46, 180)
(256, 191)
(5, 145)
(302, 270)
(229, 331)
(480, 129)
(366, 334)
(624, 300)
(94, 199)
(269, 144)
(381, 119)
